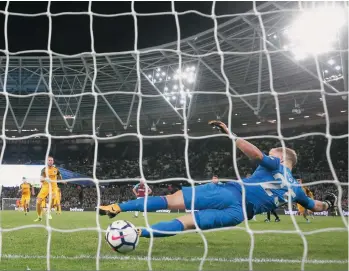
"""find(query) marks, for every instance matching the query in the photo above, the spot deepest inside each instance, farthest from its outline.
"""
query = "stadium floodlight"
(175, 87)
(291, 118)
(157, 74)
(338, 68)
(326, 71)
(158, 69)
(258, 122)
(343, 111)
(182, 101)
(244, 124)
(169, 78)
(166, 88)
(174, 97)
(150, 76)
(306, 117)
(331, 61)
(315, 31)
(163, 73)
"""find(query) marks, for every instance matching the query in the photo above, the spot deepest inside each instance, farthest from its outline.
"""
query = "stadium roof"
(245, 77)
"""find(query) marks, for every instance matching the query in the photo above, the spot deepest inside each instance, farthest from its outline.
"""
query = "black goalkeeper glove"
(331, 200)
(220, 126)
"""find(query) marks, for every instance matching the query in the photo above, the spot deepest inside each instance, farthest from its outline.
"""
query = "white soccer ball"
(122, 236)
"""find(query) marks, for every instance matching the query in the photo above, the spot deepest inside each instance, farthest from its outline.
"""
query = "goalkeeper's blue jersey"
(272, 191)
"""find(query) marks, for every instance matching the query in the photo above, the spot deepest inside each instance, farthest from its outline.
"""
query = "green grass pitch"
(227, 249)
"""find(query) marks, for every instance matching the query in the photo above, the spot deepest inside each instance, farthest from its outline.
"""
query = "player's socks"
(38, 209)
(170, 226)
(153, 204)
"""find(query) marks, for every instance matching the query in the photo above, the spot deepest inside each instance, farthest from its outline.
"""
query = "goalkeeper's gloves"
(331, 200)
(220, 126)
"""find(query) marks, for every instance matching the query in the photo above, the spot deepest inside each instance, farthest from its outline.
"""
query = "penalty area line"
(169, 259)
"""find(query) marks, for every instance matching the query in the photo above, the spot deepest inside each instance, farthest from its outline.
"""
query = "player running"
(140, 190)
(221, 205)
(25, 189)
(303, 211)
(49, 176)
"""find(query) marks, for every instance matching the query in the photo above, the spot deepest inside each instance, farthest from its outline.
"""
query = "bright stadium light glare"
(187, 69)
(331, 61)
(315, 31)
(326, 71)
(338, 68)
(174, 97)
(193, 68)
(166, 88)
(175, 87)
(149, 76)
(163, 73)
(158, 69)
(157, 74)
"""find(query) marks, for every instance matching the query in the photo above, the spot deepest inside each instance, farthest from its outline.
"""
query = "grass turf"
(227, 249)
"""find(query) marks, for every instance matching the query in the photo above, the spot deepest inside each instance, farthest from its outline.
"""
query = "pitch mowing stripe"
(170, 259)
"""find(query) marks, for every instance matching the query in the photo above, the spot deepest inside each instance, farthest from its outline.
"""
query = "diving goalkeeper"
(220, 205)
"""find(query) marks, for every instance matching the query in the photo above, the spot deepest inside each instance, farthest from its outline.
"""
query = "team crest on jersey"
(54, 172)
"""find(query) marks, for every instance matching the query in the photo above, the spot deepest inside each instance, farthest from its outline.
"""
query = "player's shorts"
(44, 192)
(25, 199)
(216, 206)
(301, 209)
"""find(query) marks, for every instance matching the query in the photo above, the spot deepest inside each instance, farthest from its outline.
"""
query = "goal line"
(174, 259)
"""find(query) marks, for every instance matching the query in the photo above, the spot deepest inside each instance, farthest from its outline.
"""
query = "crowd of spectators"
(166, 158)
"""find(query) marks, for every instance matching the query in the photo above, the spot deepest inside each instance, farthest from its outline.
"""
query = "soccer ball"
(122, 236)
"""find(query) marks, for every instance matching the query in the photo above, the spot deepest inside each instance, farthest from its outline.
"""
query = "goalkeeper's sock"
(170, 226)
(153, 204)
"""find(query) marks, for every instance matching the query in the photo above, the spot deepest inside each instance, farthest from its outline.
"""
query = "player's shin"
(153, 204)
(38, 208)
(170, 227)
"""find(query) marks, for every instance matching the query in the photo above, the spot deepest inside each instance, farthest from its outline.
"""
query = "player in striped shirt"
(140, 190)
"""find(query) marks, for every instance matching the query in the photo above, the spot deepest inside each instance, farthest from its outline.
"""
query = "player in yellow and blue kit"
(221, 205)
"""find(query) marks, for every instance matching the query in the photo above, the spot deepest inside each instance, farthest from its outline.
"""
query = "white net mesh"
(267, 49)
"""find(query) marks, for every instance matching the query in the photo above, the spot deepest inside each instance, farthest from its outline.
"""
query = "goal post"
(270, 56)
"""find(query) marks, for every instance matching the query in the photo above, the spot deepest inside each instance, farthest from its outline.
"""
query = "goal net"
(276, 73)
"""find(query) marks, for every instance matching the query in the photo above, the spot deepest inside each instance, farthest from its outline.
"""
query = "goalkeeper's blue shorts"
(215, 205)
